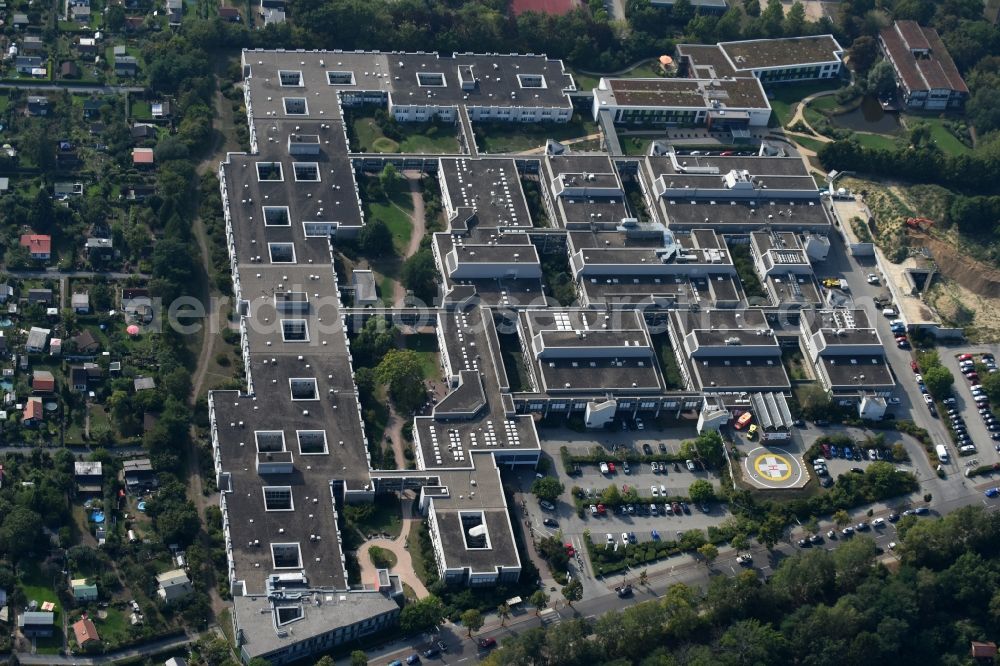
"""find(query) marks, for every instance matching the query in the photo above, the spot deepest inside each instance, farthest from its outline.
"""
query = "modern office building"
(926, 74)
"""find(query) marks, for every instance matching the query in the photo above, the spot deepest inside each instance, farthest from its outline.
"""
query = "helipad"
(772, 467)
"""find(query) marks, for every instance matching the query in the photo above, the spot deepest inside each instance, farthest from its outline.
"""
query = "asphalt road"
(99, 90)
(53, 272)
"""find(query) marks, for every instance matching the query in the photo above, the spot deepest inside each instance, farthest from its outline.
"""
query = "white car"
(872, 278)
(690, 465)
(919, 377)
(639, 425)
(745, 559)
(929, 400)
(604, 468)
(624, 538)
(892, 545)
(663, 490)
(894, 401)
(611, 539)
(878, 522)
(654, 491)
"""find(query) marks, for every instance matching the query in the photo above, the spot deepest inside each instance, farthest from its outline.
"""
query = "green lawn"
(114, 628)
(386, 289)
(4, 102)
(635, 145)
(395, 211)
(426, 347)
(811, 144)
(35, 588)
(141, 110)
(495, 138)
(418, 138)
(876, 141)
(784, 98)
(944, 139)
(387, 517)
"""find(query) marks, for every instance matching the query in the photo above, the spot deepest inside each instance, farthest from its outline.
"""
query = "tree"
(400, 370)
(771, 18)
(473, 620)
(389, 178)
(375, 239)
(795, 20)
(939, 381)
(753, 642)
(540, 600)
(862, 53)
(770, 531)
(547, 488)
(358, 658)
(419, 275)
(115, 18)
(882, 79)
(572, 591)
(327, 660)
(503, 610)
(373, 342)
(701, 492)
(422, 615)
(707, 448)
(841, 518)
(643, 577)
(708, 552)
(991, 384)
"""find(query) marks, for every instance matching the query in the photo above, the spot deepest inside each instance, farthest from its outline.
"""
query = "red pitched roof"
(85, 631)
(33, 410)
(43, 382)
(987, 650)
(142, 156)
(37, 243)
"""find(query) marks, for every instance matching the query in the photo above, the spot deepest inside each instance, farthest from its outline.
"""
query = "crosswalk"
(549, 617)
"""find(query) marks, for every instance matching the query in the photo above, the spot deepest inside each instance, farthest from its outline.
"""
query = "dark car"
(487, 643)
(663, 447)
(893, 517)
(857, 470)
(804, 544)
(413, 659)
(921, 510)
(826, 482)
(816, 539)
(550, 522)
(431, 652)
(647, 449)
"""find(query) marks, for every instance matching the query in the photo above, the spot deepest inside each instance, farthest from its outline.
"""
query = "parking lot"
(675, 481)
(966, 406)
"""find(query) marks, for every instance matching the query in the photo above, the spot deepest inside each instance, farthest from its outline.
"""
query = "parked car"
(551, 522)
(487, 643)
(690, 465)
(745, 560)
(663, 447)
(647, 449)
(547, 505)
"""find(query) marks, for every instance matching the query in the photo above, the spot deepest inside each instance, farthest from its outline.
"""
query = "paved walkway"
(404, 564)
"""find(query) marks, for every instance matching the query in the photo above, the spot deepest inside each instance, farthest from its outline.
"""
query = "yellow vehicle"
(752, 431)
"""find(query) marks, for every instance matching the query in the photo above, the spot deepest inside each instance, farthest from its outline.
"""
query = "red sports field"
(543, 6)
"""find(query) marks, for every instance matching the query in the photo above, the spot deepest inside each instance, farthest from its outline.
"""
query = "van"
(889, 312)
(942, 452)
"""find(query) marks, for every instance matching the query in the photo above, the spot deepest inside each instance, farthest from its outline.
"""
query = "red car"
(611, 468)
(965, 357)
(570, 550)
(600, 509)
(725, 153)
(972, 377)
(914, 366)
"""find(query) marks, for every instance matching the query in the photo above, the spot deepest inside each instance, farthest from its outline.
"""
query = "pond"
(6, 322)
(868, 117)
